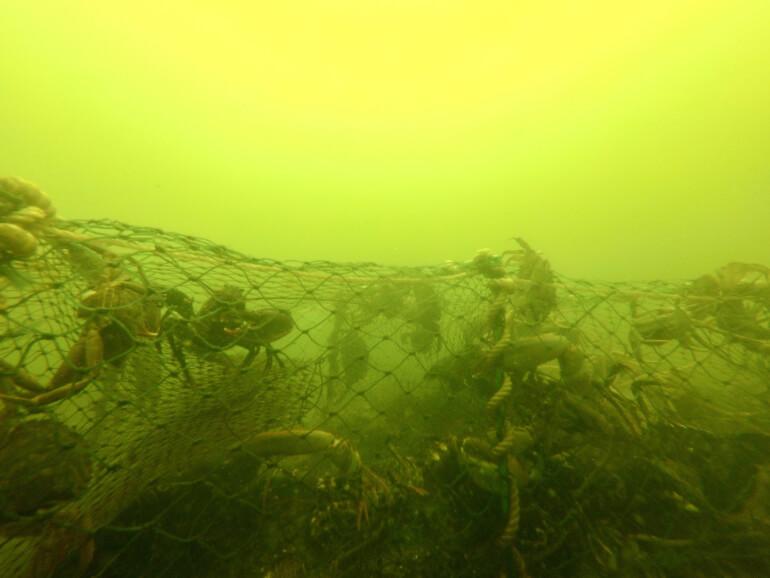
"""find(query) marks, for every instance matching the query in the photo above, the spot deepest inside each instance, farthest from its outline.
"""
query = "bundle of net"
(465, 419)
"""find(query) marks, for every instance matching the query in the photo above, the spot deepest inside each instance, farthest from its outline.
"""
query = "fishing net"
(170, 407)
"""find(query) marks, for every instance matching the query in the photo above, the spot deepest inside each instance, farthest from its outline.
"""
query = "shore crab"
(43, 463)
(221, 323)
(658, 327)
(116, 312)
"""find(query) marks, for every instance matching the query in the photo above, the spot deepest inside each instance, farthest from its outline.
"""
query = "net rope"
(171, 407)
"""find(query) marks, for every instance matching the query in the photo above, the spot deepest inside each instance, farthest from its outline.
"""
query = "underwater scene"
(403, 289)
(171, 407)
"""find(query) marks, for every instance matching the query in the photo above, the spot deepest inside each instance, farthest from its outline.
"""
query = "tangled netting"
(173, 408)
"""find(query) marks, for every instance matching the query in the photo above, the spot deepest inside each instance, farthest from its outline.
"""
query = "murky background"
(626, 141)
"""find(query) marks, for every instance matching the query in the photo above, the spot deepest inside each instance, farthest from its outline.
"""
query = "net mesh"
(173, 408)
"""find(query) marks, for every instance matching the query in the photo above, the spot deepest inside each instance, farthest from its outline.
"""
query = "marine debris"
(169, 407)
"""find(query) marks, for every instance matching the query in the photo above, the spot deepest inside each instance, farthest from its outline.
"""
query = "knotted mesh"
(486, 418)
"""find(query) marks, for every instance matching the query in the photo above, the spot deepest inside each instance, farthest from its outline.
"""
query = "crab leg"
(85, 355)
(82, 362)
(300, 441)
(19, 378)
(52, 395)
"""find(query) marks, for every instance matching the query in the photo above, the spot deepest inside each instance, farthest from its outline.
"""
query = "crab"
(221, 323)
(659, 327)
(262, 327)
(116, 313)
(45, 469)
(43, 463)
(303, 442)
(737, 298)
